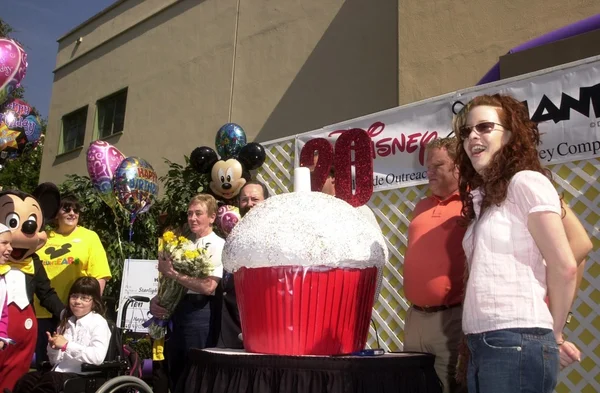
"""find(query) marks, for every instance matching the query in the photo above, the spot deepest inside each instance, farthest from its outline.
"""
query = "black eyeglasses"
(68, 209)
(482, 128)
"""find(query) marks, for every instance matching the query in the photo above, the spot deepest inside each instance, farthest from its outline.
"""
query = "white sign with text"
(140, 278)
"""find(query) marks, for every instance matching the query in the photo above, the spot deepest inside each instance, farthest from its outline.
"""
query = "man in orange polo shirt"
(434, 266)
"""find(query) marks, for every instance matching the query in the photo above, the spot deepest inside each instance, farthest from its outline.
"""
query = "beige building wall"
(275, 67)
(446, 45)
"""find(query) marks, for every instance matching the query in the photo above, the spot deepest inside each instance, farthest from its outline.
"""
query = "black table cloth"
(235, 371)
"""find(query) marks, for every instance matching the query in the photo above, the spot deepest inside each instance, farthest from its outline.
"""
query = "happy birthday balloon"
(19, 127)
(229, 140)
(13, 66)
(227, 217)
(135, 185)
(103, 159)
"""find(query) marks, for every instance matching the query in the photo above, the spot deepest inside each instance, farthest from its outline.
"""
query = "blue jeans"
(513, 361)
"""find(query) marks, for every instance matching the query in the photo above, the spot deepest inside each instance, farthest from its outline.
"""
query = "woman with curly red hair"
(517, 251)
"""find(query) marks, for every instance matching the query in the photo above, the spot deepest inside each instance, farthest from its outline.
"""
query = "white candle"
(302, 179)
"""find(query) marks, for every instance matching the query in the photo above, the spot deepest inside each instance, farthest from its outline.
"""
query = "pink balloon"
(13, 66)
(227, 218)
(103, 159)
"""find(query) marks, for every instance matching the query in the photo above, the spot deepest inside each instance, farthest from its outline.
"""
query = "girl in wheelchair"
(83, 336)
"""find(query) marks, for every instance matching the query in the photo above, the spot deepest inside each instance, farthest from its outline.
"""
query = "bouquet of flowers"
(187, 259)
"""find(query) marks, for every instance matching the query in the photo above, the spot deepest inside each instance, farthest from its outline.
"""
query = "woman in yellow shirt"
(71, 251)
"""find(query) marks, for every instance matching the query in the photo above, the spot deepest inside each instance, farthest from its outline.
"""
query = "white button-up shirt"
(88, 339)
(507, 274)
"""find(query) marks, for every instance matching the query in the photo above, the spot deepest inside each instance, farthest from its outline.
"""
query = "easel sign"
(140, 278)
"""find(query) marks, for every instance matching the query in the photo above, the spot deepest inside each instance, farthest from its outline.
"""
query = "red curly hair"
(518, 154)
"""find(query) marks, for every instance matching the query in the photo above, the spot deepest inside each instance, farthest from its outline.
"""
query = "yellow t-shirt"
(66, 258)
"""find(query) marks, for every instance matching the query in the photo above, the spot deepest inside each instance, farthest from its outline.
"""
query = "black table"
(232, 371)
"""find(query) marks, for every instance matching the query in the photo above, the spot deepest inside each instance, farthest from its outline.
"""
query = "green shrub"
(180, 184)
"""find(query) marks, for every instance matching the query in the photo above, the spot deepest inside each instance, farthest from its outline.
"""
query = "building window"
(73, 130)
(111, 114)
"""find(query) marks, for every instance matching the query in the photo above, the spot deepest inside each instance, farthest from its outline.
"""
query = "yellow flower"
(168, 236)
(189, 255)
(182, 239)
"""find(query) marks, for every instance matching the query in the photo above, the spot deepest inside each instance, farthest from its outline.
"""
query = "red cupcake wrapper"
(291, 310)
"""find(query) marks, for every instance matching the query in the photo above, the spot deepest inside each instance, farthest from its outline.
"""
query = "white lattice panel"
(578, 183)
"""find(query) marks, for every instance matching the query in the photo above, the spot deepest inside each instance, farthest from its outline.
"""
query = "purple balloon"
(103, 159)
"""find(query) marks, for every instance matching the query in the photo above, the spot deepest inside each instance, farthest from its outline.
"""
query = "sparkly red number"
(307, 158)
(359, 141)
(356, 140)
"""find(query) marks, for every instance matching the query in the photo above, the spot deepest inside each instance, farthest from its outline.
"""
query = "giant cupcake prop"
(305, 268)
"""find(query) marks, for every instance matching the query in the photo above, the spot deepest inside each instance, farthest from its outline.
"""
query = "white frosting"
(304, 229)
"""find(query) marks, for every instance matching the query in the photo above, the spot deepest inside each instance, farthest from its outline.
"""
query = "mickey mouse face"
(24, 214)
(227, 178)
(24, 218)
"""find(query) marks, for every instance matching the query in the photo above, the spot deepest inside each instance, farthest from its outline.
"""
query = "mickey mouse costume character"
(24, 275)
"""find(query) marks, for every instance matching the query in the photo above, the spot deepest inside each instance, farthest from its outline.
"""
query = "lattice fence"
(578, 183)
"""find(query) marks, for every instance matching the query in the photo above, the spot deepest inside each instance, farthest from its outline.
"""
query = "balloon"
(135, 185)
(227, 217)
(229, 140)
(252, 156)
(103, 159)
(203, 158)
(19, 127)
(13, 66)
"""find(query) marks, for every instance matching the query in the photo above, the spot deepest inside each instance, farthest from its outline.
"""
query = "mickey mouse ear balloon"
(252, 155)
(229, 140)
(13, 66)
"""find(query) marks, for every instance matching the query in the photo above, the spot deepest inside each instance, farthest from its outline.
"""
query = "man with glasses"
(253, 193)
(71, 251)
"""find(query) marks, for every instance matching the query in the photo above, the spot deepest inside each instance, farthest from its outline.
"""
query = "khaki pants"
(438, 333)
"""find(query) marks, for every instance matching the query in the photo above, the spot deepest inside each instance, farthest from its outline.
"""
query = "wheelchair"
(113, 375)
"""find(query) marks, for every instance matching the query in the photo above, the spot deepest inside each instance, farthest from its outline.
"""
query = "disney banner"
(566, 103)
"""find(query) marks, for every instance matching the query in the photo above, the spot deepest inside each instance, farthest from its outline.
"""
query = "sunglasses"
(482, 128)
(68, 209)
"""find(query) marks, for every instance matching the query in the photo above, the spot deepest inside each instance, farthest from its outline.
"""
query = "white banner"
(566, 102)
(140, 278)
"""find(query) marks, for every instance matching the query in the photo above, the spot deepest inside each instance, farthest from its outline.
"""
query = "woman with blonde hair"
(194, 323)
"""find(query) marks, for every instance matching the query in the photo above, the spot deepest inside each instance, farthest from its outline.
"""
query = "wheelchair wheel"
(125, 383)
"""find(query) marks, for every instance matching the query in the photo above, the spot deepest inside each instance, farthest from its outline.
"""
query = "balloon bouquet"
(228, 174)
(130, 182)
(20, 126)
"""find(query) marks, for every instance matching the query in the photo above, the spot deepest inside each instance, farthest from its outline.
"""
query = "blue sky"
(37, 25)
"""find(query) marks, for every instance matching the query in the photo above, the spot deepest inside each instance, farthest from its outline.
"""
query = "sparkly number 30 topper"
(355, 139)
